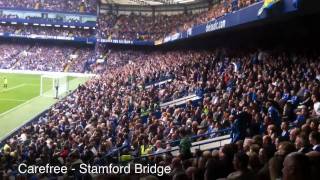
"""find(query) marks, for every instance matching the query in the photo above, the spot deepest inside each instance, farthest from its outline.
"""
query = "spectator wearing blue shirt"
(301, 115)
(234, 5)
(253, 95)
(239, 126)
(294, 99)
(273, 113)
(285, 96)
(235, 131)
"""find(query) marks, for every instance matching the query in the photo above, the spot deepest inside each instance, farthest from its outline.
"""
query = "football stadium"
(159, 89)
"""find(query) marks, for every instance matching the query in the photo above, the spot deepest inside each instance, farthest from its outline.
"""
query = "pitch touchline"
(18, 106)
(13, 109)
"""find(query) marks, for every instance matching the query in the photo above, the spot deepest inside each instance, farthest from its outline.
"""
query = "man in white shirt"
(159, 148)
(316, 105)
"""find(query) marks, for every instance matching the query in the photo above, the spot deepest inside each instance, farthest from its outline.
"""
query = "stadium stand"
(44, 57)
(81, 6)
(145, 27)
(267, 91)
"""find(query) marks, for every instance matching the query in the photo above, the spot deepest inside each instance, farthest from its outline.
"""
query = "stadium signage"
(116, 41)
(215, 25)
(189, 32)
(167, 39)
(125, 41)
(172, 37)
(175, 36)
(35, 36)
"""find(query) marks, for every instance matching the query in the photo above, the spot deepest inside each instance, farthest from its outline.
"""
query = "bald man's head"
(296, 167)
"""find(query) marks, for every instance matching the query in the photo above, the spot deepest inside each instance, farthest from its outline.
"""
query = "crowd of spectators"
(144, 27)
(83, 6)
(44, 58)
(270, 100)
(41, 57)
(8, 53)
(47, 31)
(140, 27)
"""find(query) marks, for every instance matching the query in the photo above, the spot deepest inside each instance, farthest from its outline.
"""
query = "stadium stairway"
(70, 61)
(66, 68)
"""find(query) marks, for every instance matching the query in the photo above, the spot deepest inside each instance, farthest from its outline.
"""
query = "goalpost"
(54, 85)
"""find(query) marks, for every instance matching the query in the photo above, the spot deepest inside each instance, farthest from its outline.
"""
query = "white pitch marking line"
(17, 100)
(14, 87)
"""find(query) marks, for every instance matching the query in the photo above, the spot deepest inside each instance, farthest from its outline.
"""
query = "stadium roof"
(148, 2)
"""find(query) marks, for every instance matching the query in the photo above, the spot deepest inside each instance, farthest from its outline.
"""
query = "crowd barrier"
(180, 101)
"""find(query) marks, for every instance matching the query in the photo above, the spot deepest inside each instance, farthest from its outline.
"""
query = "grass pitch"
(21, 88)
(21, 100)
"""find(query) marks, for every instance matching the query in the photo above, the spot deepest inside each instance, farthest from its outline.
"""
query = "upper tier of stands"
(143, 27)
(140, 27)
(80, 6)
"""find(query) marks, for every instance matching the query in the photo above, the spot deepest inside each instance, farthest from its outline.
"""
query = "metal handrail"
(202, 135)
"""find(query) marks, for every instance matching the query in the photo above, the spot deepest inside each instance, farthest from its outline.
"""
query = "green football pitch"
(21, 100)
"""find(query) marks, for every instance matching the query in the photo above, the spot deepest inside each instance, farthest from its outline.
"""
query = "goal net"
(54, 85)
